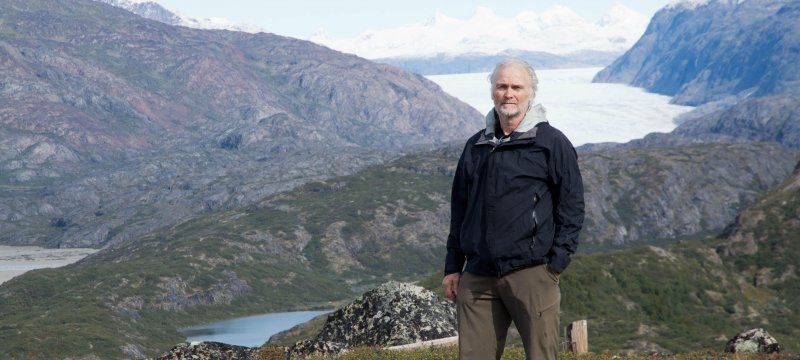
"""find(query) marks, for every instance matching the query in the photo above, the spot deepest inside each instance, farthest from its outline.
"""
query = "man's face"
(512, 92)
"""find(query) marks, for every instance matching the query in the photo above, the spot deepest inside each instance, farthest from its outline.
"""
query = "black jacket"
(516, 202)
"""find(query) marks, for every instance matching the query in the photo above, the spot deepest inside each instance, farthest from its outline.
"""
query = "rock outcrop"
(392, 314)
(209, 351)
(753, 341)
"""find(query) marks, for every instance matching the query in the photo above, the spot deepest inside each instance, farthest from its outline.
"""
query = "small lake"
(250, 331)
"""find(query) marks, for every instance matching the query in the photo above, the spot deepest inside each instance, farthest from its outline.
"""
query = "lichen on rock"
(753, 341)
(209, 350)
(392, 314)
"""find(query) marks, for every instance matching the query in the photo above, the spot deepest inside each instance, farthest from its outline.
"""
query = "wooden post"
(578, 337)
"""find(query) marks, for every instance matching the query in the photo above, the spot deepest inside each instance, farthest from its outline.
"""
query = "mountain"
(147, 9)
(555, 38)
(153, 11)
(705, 51)
(559, 31)
(112, 125)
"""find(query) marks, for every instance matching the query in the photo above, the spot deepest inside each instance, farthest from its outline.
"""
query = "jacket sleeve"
(568, 204)
(454, 260)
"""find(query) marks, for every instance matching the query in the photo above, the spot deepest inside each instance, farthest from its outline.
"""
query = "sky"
(350, 18)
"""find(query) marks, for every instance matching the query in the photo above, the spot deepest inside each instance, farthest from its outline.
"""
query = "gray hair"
(516, 62)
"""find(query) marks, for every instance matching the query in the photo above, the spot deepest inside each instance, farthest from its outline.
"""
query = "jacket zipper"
(535, 221)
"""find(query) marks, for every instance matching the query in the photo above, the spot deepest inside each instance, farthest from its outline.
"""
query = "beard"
(511, 110)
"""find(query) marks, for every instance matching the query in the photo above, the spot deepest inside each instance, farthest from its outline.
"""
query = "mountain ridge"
(558, 30)
(713, 51)
(113, 126)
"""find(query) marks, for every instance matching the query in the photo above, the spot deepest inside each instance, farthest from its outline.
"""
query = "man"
(517, 208)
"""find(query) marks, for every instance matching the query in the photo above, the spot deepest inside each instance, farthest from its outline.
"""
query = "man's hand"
(556, 273)
(450, 284)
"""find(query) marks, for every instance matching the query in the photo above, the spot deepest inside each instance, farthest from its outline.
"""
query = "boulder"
(209, 350)
(753, 341)
(390, 315)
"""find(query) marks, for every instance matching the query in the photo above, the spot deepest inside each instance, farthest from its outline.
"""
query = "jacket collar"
(527, 128)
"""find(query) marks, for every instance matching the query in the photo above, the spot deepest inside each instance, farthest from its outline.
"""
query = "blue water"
(249, 331)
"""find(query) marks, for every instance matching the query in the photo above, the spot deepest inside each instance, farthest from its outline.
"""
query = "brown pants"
(486, 306)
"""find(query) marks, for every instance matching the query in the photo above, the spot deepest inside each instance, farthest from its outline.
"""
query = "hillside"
(699, 52)
(764, 244)
(112, 125)
(329, 240)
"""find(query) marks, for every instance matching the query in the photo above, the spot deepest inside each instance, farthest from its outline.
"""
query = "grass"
(675, 297)
(516, 353)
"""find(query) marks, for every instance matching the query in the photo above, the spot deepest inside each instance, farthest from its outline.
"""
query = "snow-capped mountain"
(558, 30)
(554, 38)
(154, 11)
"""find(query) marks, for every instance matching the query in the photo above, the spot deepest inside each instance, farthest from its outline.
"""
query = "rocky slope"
(700, 52)
(766, 234)
(764, 245)
(649, 194)
(112, 125)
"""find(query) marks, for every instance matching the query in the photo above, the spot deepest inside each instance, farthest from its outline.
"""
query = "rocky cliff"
(700, 52)
(112, 125)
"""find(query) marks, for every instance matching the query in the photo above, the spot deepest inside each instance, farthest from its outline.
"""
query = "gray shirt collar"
(535, 115)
